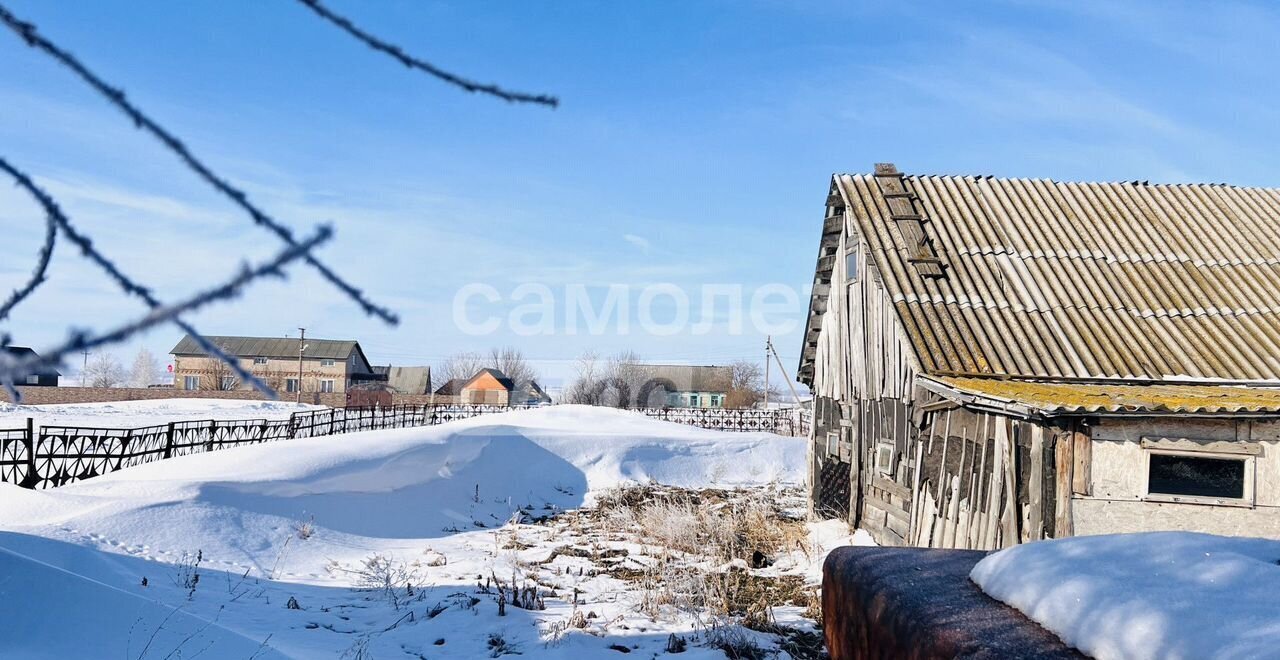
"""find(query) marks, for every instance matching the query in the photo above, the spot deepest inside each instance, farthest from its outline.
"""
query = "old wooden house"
(1003, 360)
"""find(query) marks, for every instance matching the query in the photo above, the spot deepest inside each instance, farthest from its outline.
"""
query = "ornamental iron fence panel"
(58, 455)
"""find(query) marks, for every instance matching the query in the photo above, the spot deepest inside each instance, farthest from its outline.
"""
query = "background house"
(328, 365)
(1002, 360)
(408, 380)
(45, 377)
(488, 387)
(530, 395)
(689, 386)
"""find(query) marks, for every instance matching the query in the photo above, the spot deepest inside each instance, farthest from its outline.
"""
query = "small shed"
(996, 361)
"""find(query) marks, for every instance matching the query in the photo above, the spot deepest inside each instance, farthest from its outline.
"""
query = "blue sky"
(693, 145)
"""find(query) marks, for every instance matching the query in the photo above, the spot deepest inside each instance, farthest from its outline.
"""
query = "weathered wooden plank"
(888, 509)
(891, 487)
(1011, 513)
(1081, 454)
(1191, 444)
(1062, 521)
(951, 513)
(918, 468)
(1034, 529)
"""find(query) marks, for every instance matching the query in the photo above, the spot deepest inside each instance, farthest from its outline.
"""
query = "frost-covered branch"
(414, 63)
(14, 369)
(38, 275)
(128, 285)
(117, 97)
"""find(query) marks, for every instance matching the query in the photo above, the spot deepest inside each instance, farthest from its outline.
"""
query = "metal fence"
(52, 456)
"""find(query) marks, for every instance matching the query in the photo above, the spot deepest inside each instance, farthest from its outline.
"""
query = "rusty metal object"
(919, 604)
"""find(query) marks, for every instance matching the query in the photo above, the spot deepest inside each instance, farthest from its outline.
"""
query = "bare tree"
(462, 365)
(105, 370)
(145, 370)
(511, 362)
(222, 377)
(746, 385)
(625, 380)
(585, 388)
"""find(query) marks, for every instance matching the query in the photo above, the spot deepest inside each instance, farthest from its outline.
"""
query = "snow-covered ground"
(1139, 596)
(446, 518)
(136, 414)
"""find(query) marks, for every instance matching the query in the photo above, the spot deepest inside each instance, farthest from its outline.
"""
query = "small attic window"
(1218, 477)
(851, 266)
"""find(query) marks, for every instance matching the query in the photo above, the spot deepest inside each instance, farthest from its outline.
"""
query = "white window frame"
(292, 385)
(1247, 500)
(190, 382)
(259, 360)
(33, 379)
(229, 383)
(833, 444)
(327, 363)
(326, 386)
(884, 457)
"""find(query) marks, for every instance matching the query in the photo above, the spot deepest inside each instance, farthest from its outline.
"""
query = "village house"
(327, 365)
(531, 395)
(489, 387)
(44, 377)
(406, 380)
(996, 361)
(691, 386)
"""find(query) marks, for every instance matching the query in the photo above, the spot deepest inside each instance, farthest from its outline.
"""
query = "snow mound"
(101, 616)
(1138, 596)
(360, 489)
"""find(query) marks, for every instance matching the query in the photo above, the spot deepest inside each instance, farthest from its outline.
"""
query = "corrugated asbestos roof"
(271, 347)
(1058, 280)
(692, 378)
(1116, 398)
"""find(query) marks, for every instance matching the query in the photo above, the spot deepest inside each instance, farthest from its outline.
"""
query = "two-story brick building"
(327, 365)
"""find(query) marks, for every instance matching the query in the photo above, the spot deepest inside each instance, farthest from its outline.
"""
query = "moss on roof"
(1068, 398)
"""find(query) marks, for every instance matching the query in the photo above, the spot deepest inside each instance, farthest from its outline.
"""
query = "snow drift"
(1139, 596)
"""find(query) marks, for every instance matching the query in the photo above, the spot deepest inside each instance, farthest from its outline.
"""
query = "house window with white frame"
(229, 382)
(326, 385)
(259, 360)
(291, 385)
(326, 363)
(1200, 472)
(190, 382)
(33, 380)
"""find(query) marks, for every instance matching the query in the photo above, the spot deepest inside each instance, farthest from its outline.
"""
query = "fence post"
(168, 440)
(208, 444)
(292, 418)
(31, 480)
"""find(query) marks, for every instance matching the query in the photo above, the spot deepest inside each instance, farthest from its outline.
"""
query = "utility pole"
(302, 346)
(794, 395)
(768, 345)
(85, 368)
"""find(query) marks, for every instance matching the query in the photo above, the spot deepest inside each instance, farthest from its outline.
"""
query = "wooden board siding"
(956, 478)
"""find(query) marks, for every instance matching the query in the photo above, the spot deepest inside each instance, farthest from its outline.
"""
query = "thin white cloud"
(640, 242)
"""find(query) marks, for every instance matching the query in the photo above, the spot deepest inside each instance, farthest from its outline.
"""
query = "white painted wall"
(1118, 478)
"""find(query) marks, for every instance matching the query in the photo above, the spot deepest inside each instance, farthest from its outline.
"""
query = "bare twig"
(128, 285)
(38, 275)
(414, 63)
(27, 31)
(80, 341)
